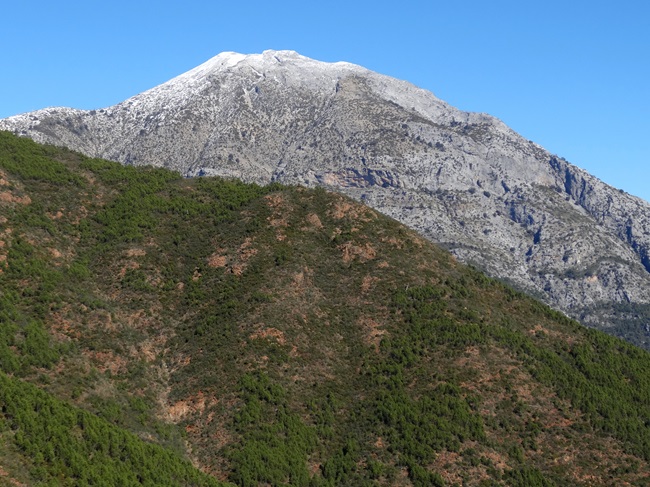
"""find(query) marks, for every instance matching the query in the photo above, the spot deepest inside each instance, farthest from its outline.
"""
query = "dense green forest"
(68, 446)
(156, 330)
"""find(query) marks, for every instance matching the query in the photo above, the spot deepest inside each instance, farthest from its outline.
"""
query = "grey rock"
(464, 180)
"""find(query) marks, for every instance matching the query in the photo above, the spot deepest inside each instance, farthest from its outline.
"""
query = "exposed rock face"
(464, 180)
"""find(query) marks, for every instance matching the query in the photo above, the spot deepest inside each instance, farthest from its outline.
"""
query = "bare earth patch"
(372, 333)
(314, 220)
(195, 404)
(55, 216)
(10, 197)
(351, 252)
(552, 333)
(343, 209)
(217, 259)
(5, 475)
(274, 201)
(136, 252)
(368, 283)
(269, 333)
(55, 253)
(238, 264)
(107, 360)
(278, 219)
(128, 266)
(398, 244)
(245, 252)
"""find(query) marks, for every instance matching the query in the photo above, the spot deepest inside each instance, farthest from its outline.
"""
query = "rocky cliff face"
(464, 180)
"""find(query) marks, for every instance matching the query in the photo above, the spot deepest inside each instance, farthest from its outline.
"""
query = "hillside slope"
(464, 180)
(279, 335)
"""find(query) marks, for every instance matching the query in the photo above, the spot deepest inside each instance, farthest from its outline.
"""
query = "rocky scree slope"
(281, 336)
(464, 180)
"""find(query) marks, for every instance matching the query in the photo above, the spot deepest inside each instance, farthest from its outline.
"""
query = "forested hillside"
(464, 180)
(281, 336)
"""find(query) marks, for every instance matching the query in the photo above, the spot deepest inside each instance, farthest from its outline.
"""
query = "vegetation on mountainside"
(45, 440)
(69, 446)
(629, 321)
(283, 336)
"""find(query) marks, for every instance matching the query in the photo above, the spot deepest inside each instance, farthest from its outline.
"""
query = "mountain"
(463, 180)
(281, 336)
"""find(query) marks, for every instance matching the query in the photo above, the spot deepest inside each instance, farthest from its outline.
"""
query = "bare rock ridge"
(464, 180)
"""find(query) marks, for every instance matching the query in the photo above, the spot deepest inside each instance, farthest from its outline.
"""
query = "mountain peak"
(267, 59)
(279, 54)
(462, 179)
(284, 67)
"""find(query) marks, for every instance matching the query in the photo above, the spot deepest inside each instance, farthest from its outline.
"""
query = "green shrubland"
(281, 336)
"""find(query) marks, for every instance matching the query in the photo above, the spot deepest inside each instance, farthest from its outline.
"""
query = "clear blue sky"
(572, 75)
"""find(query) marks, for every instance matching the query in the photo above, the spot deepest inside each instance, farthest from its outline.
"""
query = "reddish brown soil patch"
(9, 197)
(217, 259)
(444, 464)
(274, 200)
(238, 268)
(368, 283)
(398, 244)
(195, 404)
(372, 332)
(128, 266)
(341, 210)
(83, 213)
(314, 220)
(107, 360)
(4, 474)
(351, 252)
(269, 333)
(278, 219)
(539, 329)
(246, 251)
(136, 252)
(148, 349)
(62, 328)
(278, 222)
(55, 253)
